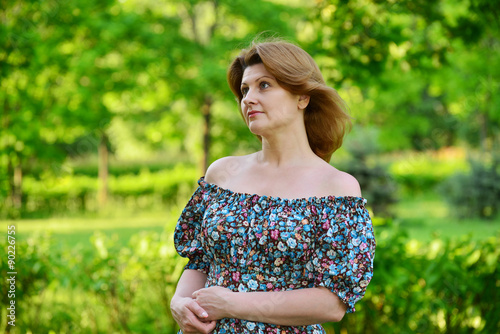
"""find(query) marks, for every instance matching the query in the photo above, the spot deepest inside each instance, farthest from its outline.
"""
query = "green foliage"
(165, 183)
(477, 193)
(424, 72)
(440, 287)
(77, 193)
(377, 185)
(437, 287)
(419, 172)
(138, 72)
(134, 284)
(123, 168)
(107, 289)
(37, 262)
(75, 74)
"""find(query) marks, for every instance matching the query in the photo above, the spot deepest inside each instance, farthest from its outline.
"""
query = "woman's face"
(266, 106)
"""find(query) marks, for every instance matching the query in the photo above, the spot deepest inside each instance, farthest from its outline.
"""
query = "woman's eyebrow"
(264, 76)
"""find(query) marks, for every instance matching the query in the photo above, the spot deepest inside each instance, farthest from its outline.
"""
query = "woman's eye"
(244, 91)
(264, 85)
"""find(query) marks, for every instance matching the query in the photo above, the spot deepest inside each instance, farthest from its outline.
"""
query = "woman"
(278, 241)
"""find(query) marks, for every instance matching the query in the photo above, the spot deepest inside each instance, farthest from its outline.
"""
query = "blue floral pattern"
(248, 243)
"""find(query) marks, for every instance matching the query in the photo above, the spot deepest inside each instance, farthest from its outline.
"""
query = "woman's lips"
(253, 113)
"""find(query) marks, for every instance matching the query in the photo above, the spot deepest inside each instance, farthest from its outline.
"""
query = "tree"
(27, 96)
(216, 28)
(207, 35)
(389, 59)
(62, 62)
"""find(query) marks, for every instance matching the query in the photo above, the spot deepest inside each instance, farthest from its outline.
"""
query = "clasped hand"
(215, 301)
(199, 313)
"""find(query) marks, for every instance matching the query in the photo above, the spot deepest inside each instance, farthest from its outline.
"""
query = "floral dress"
(248, 243)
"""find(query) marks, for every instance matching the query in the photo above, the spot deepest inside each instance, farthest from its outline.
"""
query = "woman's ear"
(303, 101)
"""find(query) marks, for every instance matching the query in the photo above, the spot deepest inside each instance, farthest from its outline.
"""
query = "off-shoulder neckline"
(312, 199)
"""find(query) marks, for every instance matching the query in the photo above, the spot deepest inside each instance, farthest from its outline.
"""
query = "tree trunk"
(102, 196)
(206, 111)
(483, 132)
(15, 179)
(17, 195)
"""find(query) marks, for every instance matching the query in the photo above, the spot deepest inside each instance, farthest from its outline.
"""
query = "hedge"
(77, 193)
(421, 172)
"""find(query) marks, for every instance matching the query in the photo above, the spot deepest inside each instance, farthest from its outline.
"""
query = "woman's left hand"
(215, 300)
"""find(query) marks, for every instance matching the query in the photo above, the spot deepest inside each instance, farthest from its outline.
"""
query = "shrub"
(36, 265)
(377, 185)
(418, 172)
(107, 289)
(475, 194)
(441, 287)
(76, 193)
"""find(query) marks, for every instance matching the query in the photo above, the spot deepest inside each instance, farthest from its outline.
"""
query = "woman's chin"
(256, 129)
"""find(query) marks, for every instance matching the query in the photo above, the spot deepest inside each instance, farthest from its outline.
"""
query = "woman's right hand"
(190, 316)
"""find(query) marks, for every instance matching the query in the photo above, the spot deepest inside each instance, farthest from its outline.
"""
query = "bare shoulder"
(223, 169)
(341, 183)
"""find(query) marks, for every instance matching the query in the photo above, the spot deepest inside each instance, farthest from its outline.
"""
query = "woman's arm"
(190, 316)
(288, 308)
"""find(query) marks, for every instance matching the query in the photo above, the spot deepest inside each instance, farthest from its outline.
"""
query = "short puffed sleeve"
(345, 249)
(188, 238)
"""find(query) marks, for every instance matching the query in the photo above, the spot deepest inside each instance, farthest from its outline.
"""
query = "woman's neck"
(285, 149)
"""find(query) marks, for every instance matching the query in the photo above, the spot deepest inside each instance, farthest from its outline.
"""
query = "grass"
(426, 216)
(78, 231)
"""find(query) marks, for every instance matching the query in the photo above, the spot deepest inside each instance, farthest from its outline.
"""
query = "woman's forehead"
(255, 72)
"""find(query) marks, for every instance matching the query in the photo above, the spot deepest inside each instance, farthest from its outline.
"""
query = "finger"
(200, 327)
(197, 310)
(196, 293)
(208, 327)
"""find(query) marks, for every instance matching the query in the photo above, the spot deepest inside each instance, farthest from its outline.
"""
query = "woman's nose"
(249, 98)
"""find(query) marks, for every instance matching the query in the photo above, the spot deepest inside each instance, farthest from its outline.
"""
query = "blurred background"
(112, 110)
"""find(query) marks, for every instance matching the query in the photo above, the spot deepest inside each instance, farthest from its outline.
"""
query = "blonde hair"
(325, 118)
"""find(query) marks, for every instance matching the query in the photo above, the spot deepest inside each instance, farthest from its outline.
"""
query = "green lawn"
(426, 216)
(74, 231)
